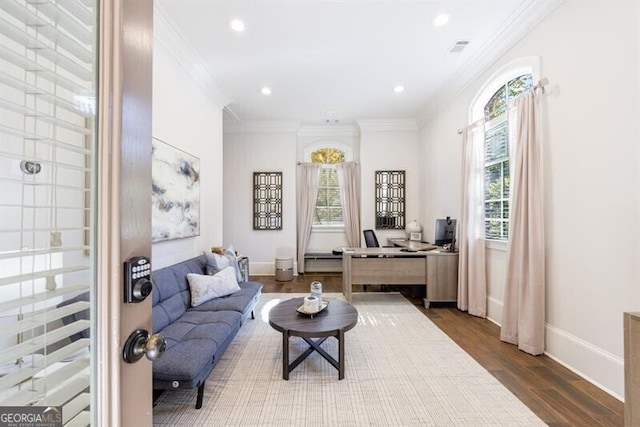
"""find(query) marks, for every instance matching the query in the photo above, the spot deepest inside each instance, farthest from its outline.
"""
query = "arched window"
(329, 203)
(492, 105)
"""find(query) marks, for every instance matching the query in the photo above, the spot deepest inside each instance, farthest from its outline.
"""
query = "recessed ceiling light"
(236, 25)
(398, 89)
(440, 20)
(265, 91)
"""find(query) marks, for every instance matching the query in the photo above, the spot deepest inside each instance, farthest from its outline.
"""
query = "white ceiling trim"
(388, 125)
(329, 131)
(172, 40)
(524, 20)
(261, 127)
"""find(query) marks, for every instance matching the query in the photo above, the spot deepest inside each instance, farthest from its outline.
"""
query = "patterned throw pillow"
(204, 288)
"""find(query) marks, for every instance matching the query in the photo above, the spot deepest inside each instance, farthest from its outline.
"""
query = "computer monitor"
(445, 231)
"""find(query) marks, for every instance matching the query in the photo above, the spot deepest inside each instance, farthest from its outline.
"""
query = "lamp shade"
(413, 227)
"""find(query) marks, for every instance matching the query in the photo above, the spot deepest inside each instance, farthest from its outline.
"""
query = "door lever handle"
(141, 343)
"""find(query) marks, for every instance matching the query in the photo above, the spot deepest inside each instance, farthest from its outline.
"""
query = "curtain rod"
(299, 163)
(540, 85)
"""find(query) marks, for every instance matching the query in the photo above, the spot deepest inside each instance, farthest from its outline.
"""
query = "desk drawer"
(389, 271)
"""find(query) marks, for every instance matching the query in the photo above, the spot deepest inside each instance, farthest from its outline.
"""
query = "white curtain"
(309, 178)
(348, 181)
(472, 281)
(523, 313)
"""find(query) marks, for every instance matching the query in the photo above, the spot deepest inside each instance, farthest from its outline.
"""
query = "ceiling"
(338, 61)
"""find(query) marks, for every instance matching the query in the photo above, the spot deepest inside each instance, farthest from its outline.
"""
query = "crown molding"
(388, 125)
(261, 127)
(328, 131)
(529, 15)
(171, 39)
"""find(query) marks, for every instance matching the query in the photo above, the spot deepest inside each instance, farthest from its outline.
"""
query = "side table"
(243, 265)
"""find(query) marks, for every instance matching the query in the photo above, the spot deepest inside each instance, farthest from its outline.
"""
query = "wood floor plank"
(557, 395)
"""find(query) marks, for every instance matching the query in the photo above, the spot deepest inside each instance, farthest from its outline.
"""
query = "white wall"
(589, 52)
(273, 146)
(185, 116)
(389, 145)
(247, 149)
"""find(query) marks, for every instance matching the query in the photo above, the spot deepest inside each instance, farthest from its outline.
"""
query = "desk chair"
(370, 239)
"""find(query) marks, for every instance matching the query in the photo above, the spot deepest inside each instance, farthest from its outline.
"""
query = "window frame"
(348, 156)
(499, 79)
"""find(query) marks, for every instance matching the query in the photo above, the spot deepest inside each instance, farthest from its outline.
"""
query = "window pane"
(333, 197)
(507, 179)
(322, 197)
(327, 155)
(505, 209)
(497, 105)
(493, 229)
(519, 85)
(324, 177)
(496, 143)
(335, 215)
(493, 209)
(321, 216)
(492, 178)
(505, 229)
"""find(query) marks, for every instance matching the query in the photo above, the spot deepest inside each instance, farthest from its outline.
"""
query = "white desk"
(411, 244)
(436, 270)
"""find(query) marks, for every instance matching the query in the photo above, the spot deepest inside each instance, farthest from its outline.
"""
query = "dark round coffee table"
(334, 321)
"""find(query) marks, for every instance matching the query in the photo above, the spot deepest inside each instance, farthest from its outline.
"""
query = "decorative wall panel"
(267, 200)
(390, 200)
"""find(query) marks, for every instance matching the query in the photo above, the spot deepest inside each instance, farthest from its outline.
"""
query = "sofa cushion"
(194, 342)
(238, 301)
(205, 288)
(170, 295)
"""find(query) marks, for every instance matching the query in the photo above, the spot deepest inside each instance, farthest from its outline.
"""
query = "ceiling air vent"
(459, 46)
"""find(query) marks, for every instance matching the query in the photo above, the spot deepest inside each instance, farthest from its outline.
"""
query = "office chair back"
(370, 239)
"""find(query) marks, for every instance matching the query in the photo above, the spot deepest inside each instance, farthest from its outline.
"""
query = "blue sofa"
(196, 336)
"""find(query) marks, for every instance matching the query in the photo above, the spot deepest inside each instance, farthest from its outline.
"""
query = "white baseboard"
(599, 367)
(494, 310)
(267, 268)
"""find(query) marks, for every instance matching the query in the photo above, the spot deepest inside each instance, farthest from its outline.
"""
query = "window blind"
(47, 138)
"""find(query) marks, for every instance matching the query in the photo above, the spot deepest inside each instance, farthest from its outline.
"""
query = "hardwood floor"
(554, 393)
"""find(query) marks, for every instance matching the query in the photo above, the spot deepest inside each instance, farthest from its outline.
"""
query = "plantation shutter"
(47, 137)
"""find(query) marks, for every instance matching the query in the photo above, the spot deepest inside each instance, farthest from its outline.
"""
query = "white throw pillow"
(216, 262)
(205, 288)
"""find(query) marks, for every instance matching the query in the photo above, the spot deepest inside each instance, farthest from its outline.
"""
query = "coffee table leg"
(285, 355)
(340, 354)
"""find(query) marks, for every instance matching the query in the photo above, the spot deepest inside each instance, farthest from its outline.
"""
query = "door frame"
(123, 392)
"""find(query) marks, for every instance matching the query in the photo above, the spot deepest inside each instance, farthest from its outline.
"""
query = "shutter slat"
(26, 372)
(39, 342)
(74, 414)
(32, 321)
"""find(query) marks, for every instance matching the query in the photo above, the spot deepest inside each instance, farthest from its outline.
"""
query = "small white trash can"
(284, 269)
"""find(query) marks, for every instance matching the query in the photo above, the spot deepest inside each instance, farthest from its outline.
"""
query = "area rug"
(401, 370)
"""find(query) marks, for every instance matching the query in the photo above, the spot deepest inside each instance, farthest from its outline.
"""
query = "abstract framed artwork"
(175, 200)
